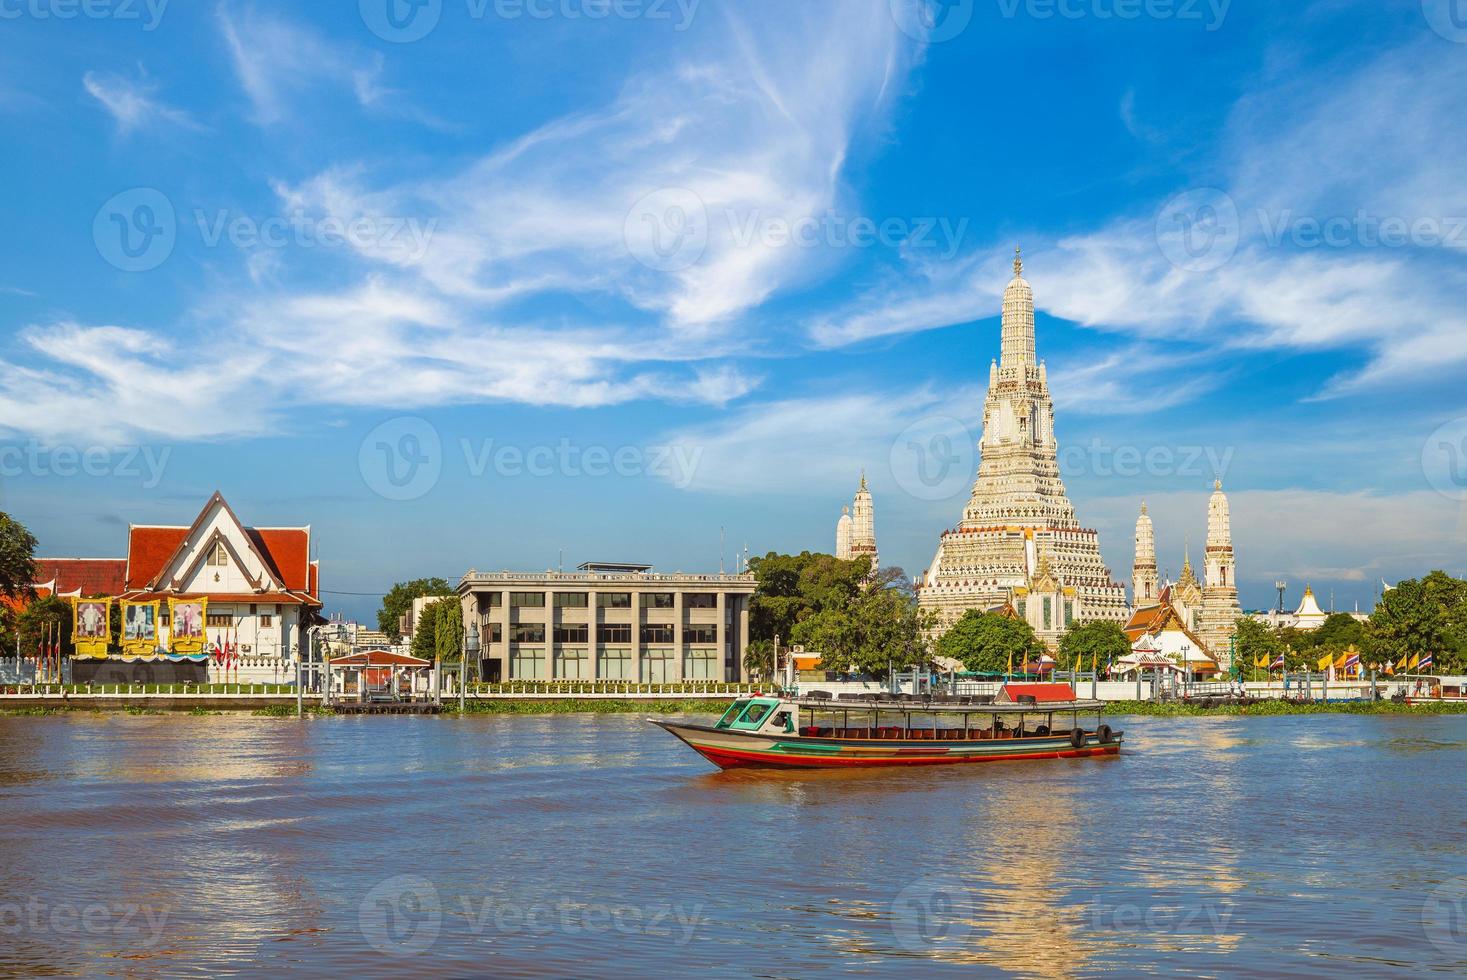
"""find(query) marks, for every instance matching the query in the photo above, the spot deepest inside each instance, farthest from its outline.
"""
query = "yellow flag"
(1261, 662)
(1340, 660)
(1079, 662)
(1326, 660)
(1011, 663)
(1415, 661)
(1092, 663)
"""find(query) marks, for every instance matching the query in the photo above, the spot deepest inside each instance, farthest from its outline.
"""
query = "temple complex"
(1019, 540)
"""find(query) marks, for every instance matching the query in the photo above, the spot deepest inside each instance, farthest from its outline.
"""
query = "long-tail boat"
(1021, 722)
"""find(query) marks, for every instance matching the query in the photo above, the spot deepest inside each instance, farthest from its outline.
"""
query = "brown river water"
(579, 845)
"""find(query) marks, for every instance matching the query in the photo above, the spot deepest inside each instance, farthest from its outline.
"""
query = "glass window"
(572, 665)
(659, 667)
(266, 620)
(659, 600)
(755, 713)
(700, 634)
(496, 632)
(658, 633)
(700, 665)
(527, 633)
(570, 600)
(614, 600)
(614, 633)
(528, 664)
(614, 665)
(1070, 613)
(573, 633)
(701, 600)
(1048, 613)
(518, 599)
(218, 555)
(491, 600)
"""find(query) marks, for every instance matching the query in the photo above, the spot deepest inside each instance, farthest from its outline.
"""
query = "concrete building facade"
(609, 622)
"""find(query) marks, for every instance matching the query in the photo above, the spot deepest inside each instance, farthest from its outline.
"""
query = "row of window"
(605, 633)
(605, 600)
(658, 667)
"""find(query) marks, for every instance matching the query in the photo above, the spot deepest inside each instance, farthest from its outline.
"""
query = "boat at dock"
(1023, 722)
(1434, 689)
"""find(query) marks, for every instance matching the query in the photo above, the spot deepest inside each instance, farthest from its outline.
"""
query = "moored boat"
(1023, 722)
(1434, 689)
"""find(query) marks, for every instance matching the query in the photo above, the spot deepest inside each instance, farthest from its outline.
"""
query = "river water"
(598, 845)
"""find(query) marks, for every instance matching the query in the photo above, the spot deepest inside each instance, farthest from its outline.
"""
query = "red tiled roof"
(1040, 692)
(87, 576)
(380, 658)
(285, 549)
(148, 550)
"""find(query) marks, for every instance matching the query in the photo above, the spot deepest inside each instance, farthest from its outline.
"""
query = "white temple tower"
(843, 535)
(1220, 608)
(1144, 586)
(1018, 509)
(863, 526)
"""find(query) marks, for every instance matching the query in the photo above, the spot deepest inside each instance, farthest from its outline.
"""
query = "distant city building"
(1208, 612)
(608, 621)
(855, 533)
(1019, 541)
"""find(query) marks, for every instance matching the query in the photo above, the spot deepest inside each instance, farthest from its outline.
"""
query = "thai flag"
(1352, 662)
(1425, 662)
(1278, 663)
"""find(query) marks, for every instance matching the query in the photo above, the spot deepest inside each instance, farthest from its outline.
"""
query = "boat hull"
(739, 750)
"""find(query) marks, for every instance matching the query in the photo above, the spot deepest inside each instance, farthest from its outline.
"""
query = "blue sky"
(605, 284)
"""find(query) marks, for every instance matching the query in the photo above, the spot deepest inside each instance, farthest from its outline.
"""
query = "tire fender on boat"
(1106, 735)
(1077, 737)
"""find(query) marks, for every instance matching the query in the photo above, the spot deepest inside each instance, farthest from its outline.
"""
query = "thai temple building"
(1019, 541)
(855, 533)
(1309, 616)
(1204, 614)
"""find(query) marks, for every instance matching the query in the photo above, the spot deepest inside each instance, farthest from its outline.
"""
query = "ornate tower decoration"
(1017, 496)
(1144, 589)
(843, 535)
(1220, 608)
(863, 526)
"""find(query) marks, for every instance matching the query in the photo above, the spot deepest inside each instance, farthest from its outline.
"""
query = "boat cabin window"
(755, 713)
(752, 716)
(734, 710)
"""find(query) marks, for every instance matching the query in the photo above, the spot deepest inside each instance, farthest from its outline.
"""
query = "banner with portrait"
(91, 627)
(186, 620)
(140, 628)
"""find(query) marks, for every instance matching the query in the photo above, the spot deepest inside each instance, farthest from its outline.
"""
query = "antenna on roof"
(720, 549)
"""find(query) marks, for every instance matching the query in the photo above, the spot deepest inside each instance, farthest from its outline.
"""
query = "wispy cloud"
(1374, 147)
(746, 130)
(280, 64)
(132, 101)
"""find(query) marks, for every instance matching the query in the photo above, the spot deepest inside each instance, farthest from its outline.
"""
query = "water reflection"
(554, 845)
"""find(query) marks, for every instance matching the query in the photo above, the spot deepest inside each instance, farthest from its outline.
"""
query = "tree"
(38, 621)
(792, 588)
(1255, 641)
(1340, 632)
(1100, 642)
(17, 559)
(448, 631)
(1422, 616)
(425, 632)
(988, 643)
(400, 598)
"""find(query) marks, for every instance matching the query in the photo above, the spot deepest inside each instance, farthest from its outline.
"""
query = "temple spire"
(1016, 344)
(1018, 262)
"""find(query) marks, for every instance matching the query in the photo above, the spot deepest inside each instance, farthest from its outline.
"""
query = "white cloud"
(280, 64)
(132, 102)
(750, 127)
(1373, 146)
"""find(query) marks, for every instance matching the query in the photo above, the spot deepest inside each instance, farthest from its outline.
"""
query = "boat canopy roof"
(947, 707)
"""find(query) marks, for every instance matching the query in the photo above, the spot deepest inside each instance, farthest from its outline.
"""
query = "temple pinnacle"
(1018, 262)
